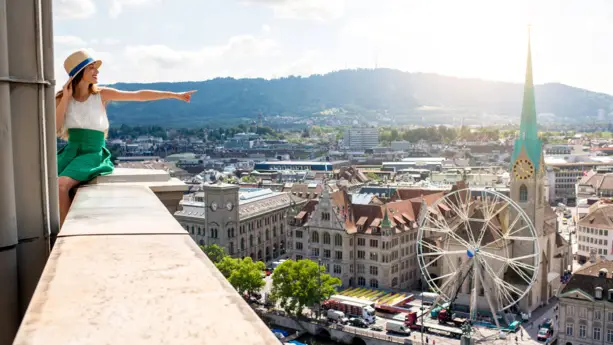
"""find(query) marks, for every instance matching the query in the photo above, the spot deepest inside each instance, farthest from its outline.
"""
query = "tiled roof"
(587, 278)
(601, 218)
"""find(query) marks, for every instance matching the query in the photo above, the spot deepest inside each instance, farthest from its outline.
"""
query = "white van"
(397, 327)
(336, 315)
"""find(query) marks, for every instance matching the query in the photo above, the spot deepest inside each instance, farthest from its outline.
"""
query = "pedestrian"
(516, 340)
(521, 333)
(433, 341)
(80, 113)
(427, 340)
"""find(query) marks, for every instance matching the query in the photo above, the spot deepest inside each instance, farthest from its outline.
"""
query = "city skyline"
(151, 41)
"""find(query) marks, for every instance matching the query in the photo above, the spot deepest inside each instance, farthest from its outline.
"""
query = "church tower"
(527, 163)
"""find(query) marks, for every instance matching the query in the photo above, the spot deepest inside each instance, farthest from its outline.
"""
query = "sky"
(179, 40)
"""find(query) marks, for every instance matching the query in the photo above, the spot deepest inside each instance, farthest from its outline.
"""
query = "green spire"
(528, 130)
(385, 223)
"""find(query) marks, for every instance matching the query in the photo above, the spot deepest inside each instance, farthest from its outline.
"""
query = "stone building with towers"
(365, 245)
(484, 253)
(528, 191)
(245, 222)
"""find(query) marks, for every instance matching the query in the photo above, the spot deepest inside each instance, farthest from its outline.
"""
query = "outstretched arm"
(109, 94)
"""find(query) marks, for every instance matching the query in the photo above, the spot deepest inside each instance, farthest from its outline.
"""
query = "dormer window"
(610, 295)
(598, 293)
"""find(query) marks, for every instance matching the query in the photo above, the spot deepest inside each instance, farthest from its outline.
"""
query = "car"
(377, 328)
(358, 322)
(544, 334)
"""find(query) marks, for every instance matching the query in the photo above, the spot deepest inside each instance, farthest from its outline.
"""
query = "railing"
(123, 271)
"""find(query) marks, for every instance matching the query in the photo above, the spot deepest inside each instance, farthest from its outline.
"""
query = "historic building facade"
(251, 222)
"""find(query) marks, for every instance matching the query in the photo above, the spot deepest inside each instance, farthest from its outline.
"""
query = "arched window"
(274, 231)
(315, 237)
(242, 244)
(326, 238)
(199, 230)
(374, 283)
(231, 248)
(361, 281)
(267, 234)
(394, 282)
(338, 240)
(192, 229)
(523, 193)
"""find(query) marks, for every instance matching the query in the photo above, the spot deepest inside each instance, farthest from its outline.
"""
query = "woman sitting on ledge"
(80, 110)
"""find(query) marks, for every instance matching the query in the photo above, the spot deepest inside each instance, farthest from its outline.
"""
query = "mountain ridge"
(363, 94)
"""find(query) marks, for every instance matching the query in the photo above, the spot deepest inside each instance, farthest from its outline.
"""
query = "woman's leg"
(65, 184)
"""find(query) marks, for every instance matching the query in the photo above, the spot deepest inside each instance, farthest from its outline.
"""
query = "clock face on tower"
(523, 169)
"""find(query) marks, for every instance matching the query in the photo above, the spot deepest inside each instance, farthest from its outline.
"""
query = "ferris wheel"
(477, 248)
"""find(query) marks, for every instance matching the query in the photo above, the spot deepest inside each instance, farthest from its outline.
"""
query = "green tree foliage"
(132, 132)
(246, 277)
(371, 175)
(303, 283)
(249, 179)
(214, 252)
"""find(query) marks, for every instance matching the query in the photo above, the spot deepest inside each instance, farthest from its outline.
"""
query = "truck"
(445, 316)
(414, 322)
(336, 316)
(397, 327)
(352, 306)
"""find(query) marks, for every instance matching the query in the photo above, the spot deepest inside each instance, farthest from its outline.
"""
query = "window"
(298, 257)
(610, 316)
(361, 281)
(597, 313)
(315, 252)
(315, 237)
(298, 233)
(326, 238)
(338, 240)
(609, 336)
(583, 313)
(327, 253)
(569, 329)
(596, 333)
(361, 242)
(338, 255)
(360, 268)
(523, 193)
(374, 283)
(374, 270)
(374, 256)
(361, 254)
(374, 243)
(581, 331)
(299, 245)
(337, 269)
(325, 216)
(350, 268)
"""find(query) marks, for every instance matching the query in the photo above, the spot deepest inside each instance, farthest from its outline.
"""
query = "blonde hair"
(93, 90)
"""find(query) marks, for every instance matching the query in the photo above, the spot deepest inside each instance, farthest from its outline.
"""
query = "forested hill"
(408, 97)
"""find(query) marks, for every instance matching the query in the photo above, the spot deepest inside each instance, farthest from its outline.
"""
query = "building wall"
(583, 322)
(360, 138)
(594, 238)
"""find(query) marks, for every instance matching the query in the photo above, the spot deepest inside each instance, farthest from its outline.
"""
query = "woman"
(80, 110)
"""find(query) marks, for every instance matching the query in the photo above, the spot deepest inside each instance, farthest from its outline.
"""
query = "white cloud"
(74, 9)
(70, 41)
(241, 56)
(266, 28)
(117, 6)
(304, 9)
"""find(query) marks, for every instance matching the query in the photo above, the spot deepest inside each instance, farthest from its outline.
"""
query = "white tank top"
(90, 114)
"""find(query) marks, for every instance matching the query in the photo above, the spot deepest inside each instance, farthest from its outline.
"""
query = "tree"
(247, 276)
(296, 284)
(214, 252)
(227, 265)
(372, 176)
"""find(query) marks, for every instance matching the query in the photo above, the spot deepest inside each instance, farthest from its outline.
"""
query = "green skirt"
(85, 156)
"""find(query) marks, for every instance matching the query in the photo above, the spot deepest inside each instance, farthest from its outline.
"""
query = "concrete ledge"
(157, 180)
(136, 287)
(118, 209)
